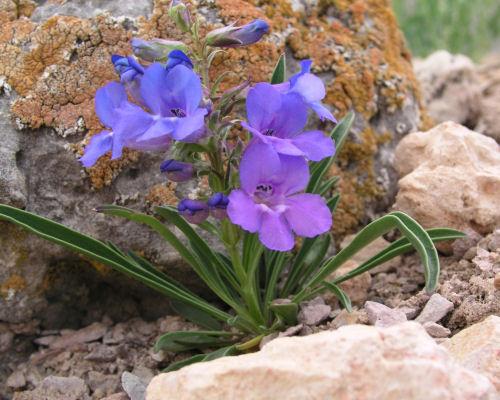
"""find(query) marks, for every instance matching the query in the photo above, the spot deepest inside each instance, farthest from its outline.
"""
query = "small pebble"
(383, 316)
(436, 330)
(435, 309)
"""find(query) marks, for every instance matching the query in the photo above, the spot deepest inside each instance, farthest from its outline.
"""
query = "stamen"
(178, 112)
(269, 132)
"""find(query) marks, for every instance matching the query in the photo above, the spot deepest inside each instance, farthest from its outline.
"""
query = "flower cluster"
(161, 101)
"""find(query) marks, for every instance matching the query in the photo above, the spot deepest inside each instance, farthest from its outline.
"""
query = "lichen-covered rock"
(450, 176)
(352, 362)
(55, 60)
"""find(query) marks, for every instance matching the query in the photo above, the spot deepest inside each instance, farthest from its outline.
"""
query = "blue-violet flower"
(278, 120)
(310, 88)
(269, 201)
(217, 205)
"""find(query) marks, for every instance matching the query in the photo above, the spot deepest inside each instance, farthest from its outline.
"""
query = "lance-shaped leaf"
(279, 73)
(191, 340)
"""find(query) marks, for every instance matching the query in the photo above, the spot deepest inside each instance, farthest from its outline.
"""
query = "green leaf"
(319, 169)
(287, 311)
(400, 246)
(195, 315)
(279, 73)
(191, 340)
(415, 234)
(99, 251)
(223, 352)
(340, 294)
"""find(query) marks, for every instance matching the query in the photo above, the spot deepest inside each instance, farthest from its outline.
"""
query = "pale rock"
(356, 288)
(117, 396)
(478, 348)
(383, 316)
(450, 176)
(351, 363)
(435, 309)
(410, 312)
(313, 312)
(348, 318)
(133, 386)
(90, 333)
(451, 88)
(57, 388)
(16, 380)
(436, 331)
(489, 75)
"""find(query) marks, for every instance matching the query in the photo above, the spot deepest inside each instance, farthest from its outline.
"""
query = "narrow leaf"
(183, 341)
(340, 294)
(279, 73)
(196, 316)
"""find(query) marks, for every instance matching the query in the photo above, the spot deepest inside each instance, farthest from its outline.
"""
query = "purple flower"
(310, 88)
(194, 211)
(155, 49)
(217, 205)
(173, 96)
(269, 201)
(278, 119)
(131, 73)
(237, 36)
(177, 171)
(127, 122)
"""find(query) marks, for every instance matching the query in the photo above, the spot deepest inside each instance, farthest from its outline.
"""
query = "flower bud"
(155, 49)
(177, 171)
(177, 57)
(217, 205)
(194, 211)
(237, 36)
(127, 67)
(180, 15)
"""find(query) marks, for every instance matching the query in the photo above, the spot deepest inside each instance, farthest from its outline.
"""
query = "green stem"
(250, 344)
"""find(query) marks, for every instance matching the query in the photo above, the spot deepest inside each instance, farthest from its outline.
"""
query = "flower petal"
(185, 127)
(294, 174)
(275, 233)
(153, 85)
(107, 100)
(292, 116)
(308, 214)
(132, 121)
(315, 145)
(259, 163)
(322, 111)
(99, 145)
(310, 87)
(183, 89)
(263, 103)
(242, 211)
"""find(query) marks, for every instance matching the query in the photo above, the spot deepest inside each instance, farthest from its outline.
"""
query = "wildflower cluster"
(267, 183)
(161, 101)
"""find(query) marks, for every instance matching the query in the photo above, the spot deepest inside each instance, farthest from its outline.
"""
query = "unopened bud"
(155, 49)
(177, 171)
(217, 205)
(194, 211)
(127, 67)
(237, 36)
(180, 15)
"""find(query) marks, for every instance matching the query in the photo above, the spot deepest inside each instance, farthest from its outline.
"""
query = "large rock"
(54, 57)
(478, 348)
(353, 362)
(450, 86)
(450, 176)
(489, 75)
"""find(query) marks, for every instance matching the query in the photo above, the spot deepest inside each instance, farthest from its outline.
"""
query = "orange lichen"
(12, 283)
(160, 195)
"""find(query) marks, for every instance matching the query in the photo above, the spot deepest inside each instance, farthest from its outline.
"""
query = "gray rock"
(133, 386)
(435, 309)
(436, 331)
(90, 333)
(383, 316)
(6, 341)
(57, 388)
(88, 9)
(313, 312)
